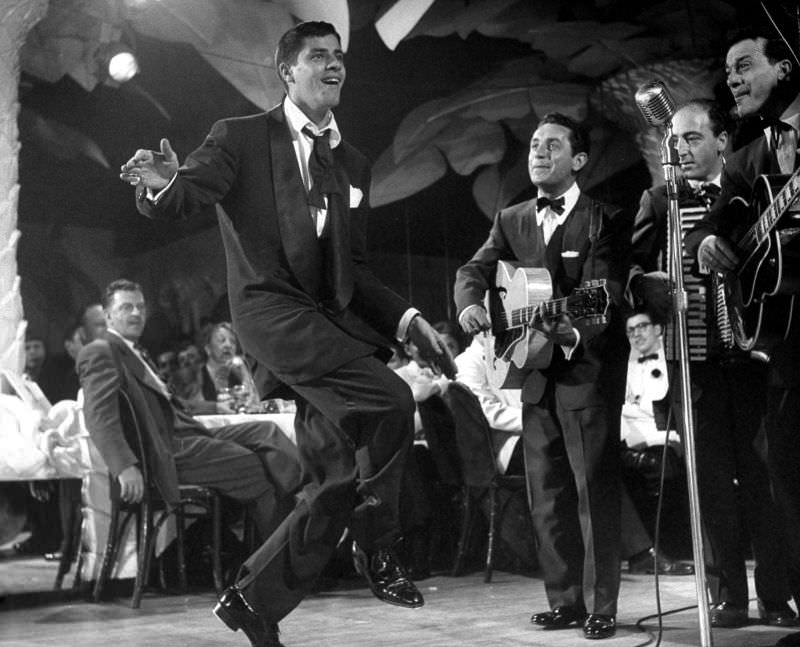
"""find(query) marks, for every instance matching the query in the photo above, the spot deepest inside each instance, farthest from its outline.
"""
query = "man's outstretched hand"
(150, 169)
(431, 347)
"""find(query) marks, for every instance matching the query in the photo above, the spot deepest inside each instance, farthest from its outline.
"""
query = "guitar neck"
(767, 220)
(524, 316)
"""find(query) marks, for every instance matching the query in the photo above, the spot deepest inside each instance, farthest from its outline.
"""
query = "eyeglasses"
(639, 327)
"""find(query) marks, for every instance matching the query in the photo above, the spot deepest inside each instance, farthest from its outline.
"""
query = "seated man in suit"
(254, 463)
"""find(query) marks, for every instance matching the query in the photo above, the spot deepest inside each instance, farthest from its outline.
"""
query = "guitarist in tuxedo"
(571, 409)
(729, 388)
(762, 75)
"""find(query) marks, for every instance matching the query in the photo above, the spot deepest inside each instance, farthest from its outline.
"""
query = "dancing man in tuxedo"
(571, 409)
(730, 389)
(309, 310)
(762, 74)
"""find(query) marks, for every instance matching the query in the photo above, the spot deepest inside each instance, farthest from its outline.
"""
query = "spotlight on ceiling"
(122, 63)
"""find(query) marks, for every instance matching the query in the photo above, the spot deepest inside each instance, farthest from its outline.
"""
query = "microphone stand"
(669, 162)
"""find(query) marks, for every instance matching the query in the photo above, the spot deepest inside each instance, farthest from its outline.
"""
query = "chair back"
(475, 446)
(136, 438)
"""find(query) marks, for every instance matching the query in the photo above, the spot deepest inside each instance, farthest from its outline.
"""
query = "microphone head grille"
(655, 103)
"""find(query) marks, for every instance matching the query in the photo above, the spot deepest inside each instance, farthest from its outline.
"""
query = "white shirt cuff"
(569, 350)
(154, 198)
(405, 321)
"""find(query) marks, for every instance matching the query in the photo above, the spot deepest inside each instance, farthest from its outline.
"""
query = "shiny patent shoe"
(235, 612)
(598, 626)
(558, 618)
(387, 579)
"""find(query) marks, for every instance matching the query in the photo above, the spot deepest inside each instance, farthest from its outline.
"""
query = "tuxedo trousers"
(354, 429)
(572, 471)
(736, 500)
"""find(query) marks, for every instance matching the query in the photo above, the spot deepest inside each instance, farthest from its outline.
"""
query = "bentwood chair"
(480, 474)
(195, 501)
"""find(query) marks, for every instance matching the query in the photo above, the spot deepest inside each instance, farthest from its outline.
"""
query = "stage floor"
(458, 612)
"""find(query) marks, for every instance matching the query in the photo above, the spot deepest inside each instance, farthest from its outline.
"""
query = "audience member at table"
(254, 463)
(225, 375)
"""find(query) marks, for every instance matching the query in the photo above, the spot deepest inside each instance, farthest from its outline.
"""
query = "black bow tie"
(321, 169)
(707, 193)
(642, 359)
(556, 205)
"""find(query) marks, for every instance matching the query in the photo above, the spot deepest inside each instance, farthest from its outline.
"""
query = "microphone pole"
(657, 107)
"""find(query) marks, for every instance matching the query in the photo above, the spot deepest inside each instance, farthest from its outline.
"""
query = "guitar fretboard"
(763, 226)
(526, 315)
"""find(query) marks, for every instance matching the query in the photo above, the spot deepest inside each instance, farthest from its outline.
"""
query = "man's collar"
(570, 196)
(716, 181)
(297, 120)
(130, 344)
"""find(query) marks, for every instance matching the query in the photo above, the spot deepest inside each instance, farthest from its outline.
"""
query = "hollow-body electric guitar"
(520, 299)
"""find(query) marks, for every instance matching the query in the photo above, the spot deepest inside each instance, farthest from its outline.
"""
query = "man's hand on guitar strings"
(716, 254)
(558, 330)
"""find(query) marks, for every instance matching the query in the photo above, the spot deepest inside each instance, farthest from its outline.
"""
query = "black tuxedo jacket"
(107, 367)
(278, 270)
(593, 243)
(730, 218)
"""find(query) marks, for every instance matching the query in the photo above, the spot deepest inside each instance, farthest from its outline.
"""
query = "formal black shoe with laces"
(726, 614)
(597, 626)
(558, 618)
(387, 579)
(235, 612)
(646, 563)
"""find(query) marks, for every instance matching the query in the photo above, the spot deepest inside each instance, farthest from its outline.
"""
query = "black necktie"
(146, 357)
(321, 168)
(556, 205)
(644, 358)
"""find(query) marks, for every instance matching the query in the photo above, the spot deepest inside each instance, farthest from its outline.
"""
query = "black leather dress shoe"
(646, 563)
(558, 618)
(597, 626)
(387, 579)
(235, 612)
(789, 640)
(777, 615)
(725, 614)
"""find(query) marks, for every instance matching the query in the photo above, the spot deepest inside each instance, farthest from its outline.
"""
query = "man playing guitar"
(762, 74)
(571, 407)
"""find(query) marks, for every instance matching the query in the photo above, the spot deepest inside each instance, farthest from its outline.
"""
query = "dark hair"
(717, 116)
(656, 319)
(449, 328)
(293, 41)
(209, 331)
(119, 285)
(578, 135)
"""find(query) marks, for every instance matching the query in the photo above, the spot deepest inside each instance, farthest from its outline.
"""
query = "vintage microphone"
(658, 107)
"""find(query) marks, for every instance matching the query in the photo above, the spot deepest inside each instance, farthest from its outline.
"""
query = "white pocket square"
(355, 196)
(570, 254)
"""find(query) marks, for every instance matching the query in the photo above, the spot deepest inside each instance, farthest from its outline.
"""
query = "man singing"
(762, 76)
(308, 309)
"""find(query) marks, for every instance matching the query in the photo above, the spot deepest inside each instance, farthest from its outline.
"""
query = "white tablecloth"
(284, 420)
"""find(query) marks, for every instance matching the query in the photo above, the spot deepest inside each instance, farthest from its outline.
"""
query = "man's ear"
(784, 69)
(658, 329)
(579, 161)
(285, 72)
